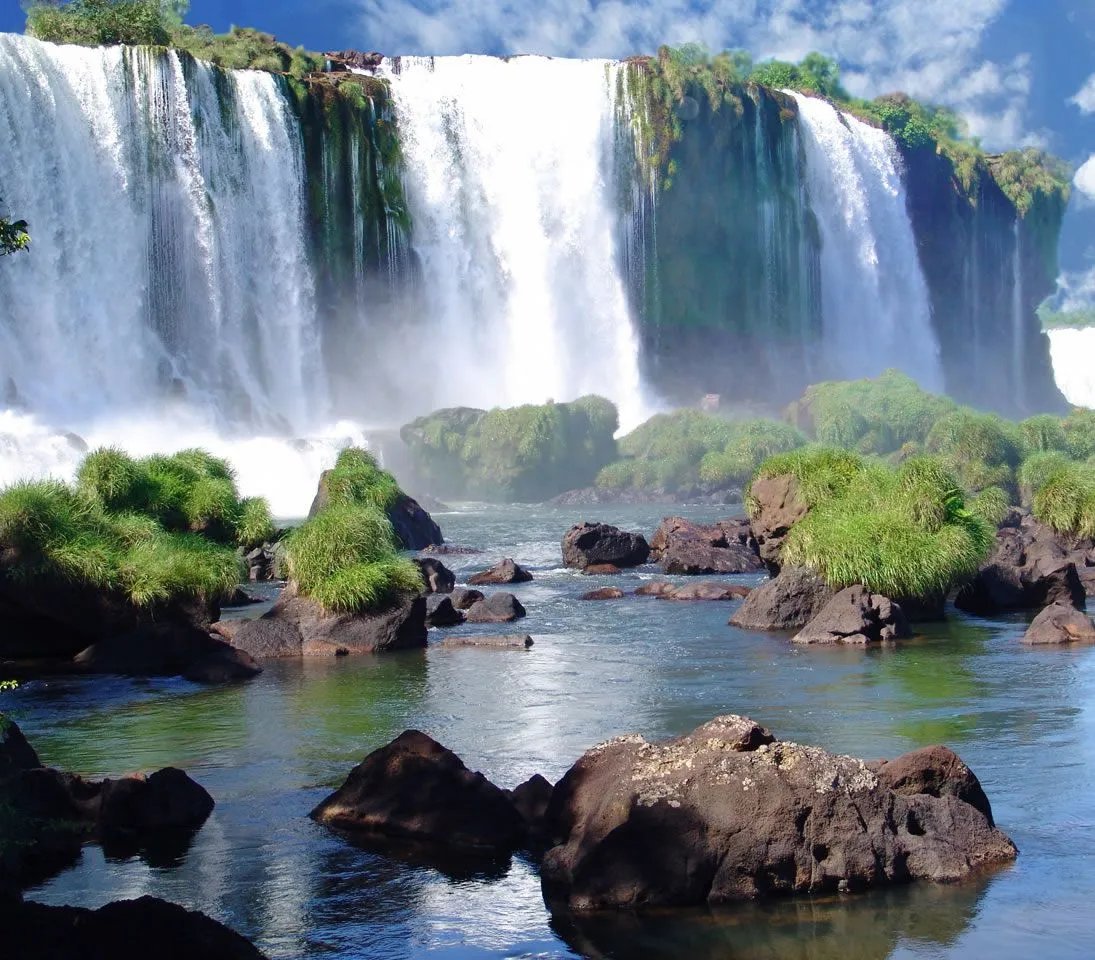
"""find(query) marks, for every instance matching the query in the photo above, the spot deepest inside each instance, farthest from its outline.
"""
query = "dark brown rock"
(1060, 623)
(601, 569)
(15, 753)
(586, 544)
(497, 608)
(437, 577)
(462, 599)
(503, 572)
(728, 813)
(498, 641)
(416, 789)
(706, 590)
(775, 508)
(683, 547)
(605, 593)
(164, 802)
(856, 616)
(938, 772)
(531, 799)
(441, 613)
(786, 602)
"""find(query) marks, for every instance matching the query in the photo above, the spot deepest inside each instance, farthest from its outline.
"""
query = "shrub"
(1066, 500)
(823, 473)
(358, 478)
(755, 441)
(105, 22)
(1043, 432)
(982, 449)
(1079, 428)
(1038, 468)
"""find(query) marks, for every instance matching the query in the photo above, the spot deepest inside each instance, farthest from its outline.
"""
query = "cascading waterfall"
(875, 305)
(510, 180)
(1017, 318)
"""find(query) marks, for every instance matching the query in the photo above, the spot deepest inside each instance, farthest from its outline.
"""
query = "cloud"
(1085, 96)
(931, 49)
(1084, 179)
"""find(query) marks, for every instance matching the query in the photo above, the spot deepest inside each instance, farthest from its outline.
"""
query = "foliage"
(525, 453)
(815, 73)
(1031, 176)
(13, 236)
(1066, 500)
(1038, 468)
(105, 22)
(1079, 428)
(244, 48)
(358, 479)
(991, 505)
(1043, 432)
(982, 449)
(754, 442)
(1075, 319)
(822, 473)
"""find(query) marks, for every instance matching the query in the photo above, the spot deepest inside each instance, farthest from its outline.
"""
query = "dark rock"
(589, 543)
(15, 753)
(441, 613)
(497, 608)
(500, 641)
(1060, 623)
(44, 823)
(505, 571)
(683, 547)
(706, 590)
(414, 527)
(531, 799)
(240, 598)
(728, 813)
(165, 802)
(786, 602)
(416, 789)
(605, 593)
(462, 599)
(355, 58)
(776, 508)
(601, 570)
(123, 930)
(437, 577)
(937, 772)
(856, 616)
(1030, 567)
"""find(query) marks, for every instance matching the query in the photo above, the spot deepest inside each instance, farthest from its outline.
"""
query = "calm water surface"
(270, 749)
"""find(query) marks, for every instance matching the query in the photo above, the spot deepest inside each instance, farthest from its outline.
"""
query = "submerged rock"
(605, 593)
(729, 813)
(1060, 623)
(706, 590)
(498, 641)
(503, 572)
(683, 547)
(586, 544)
(601, 570)
(856, 616)
(786, 602)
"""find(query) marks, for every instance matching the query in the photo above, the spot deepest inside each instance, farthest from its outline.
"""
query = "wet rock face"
(683, 547)
(729, 813)
(1060, 623)
(586, 544)
(856, 616)
(787, 602)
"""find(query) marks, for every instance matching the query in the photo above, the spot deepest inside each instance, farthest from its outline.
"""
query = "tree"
(105, 22)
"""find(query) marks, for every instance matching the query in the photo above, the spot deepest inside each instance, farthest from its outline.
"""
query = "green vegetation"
(346, 557)
(1076, 319)
(13, 236)
(905, 532)
(1066, 499)
(982, 449)
(514, 454)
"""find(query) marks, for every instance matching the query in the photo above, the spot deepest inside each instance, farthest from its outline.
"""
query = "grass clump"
(982, 449)
(822, 473)
(1042, 433)
(754, 442)
(357, 478)
(1066, 500)
(1079, 428)
(1036, 469)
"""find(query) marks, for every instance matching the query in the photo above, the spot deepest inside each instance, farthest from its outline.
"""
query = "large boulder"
(503, 572)
(775, 507)
(1030, 567)
(123, 930)
(786, 602)
(729, 813)
(497, 608)
(684, 547)
(441, 613)
(415, 789)
(298, 626)
(437, 577)
(856, 616)
(414, 527)
(586, 544)
(935, 771)
(1060, 623)
(462, 599)
(165, 802)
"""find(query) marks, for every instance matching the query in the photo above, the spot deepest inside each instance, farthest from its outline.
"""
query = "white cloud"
(1085, 96)
(1084, 180)
(930, 49)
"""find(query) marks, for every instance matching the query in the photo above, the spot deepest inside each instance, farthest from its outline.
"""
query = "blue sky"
(1021, 71)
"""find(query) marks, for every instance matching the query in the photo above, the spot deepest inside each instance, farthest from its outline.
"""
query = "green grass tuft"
(1066, 500)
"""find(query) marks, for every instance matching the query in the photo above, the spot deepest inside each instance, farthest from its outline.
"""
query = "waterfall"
(875, 305)
(510, 177)
(1018, 377)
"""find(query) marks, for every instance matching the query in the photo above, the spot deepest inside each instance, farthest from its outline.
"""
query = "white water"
(511, 186)
(875, 307)
(1018, 378)
(1073, 355)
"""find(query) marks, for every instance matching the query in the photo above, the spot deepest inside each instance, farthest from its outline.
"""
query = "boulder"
(1030, 567)
(856, 616)
(728, 813)
(786, 602)
(414, 527)
(167, 801)
(774, 508)
(706, 590)
(935, 771)
(595, 543)
(415, 789)
(497, 641)
(298, 626)
(601, 570)
(656, 588)
(462, 599)
(505, 571)
(605, 593)
(123, 930)
(497, 608)
(441, 613)
(531, 799)
(1060, 623)
(15, 753)
(683, 547)
(437, 577)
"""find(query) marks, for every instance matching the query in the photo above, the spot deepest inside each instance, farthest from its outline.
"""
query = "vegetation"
(1066, 499)
(982, 449)
(13, 236)
(1074, 319)
(525, 453)
(346, 557)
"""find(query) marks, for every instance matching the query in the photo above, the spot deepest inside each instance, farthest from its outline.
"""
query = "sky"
(1021, 71)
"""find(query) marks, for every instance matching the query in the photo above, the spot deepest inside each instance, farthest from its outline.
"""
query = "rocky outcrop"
(775, 507)
(414, 789)
(503, 572)
(437, 577)
(786, 602)
(936, 772)
(496, 608)
(414, 527)
(494, 641)
(683, 547)
(123, 930)
(594, 543)
(297, 626)
(729, 813)
(441, 613)
(1030, 567)
(1060, 623)
(856, 616)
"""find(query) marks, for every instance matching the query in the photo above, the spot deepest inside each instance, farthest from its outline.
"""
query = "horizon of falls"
(876, 311)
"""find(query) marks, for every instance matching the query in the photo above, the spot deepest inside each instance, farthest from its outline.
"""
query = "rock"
(589, 543)
(414, 527)
(605, 593)
(856, 616)
(123, 930)
(451, 549)
(531, 799)
(167, 801)
(462, 599)
(500, 641)
(240, 598)
(706, 590)
(15, 753)
(1060, 623)
(601, 570)
(497, 608)
(937, 772)
(775, 508)
(1030, 567)
(786, 602)
(683, 547)
(505, 571)
(441, 613)
(437, 577)
(416, 789)
(729, 813)
(297, 626)
(656, 588)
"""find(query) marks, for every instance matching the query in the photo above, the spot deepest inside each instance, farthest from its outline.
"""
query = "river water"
(270, 749)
